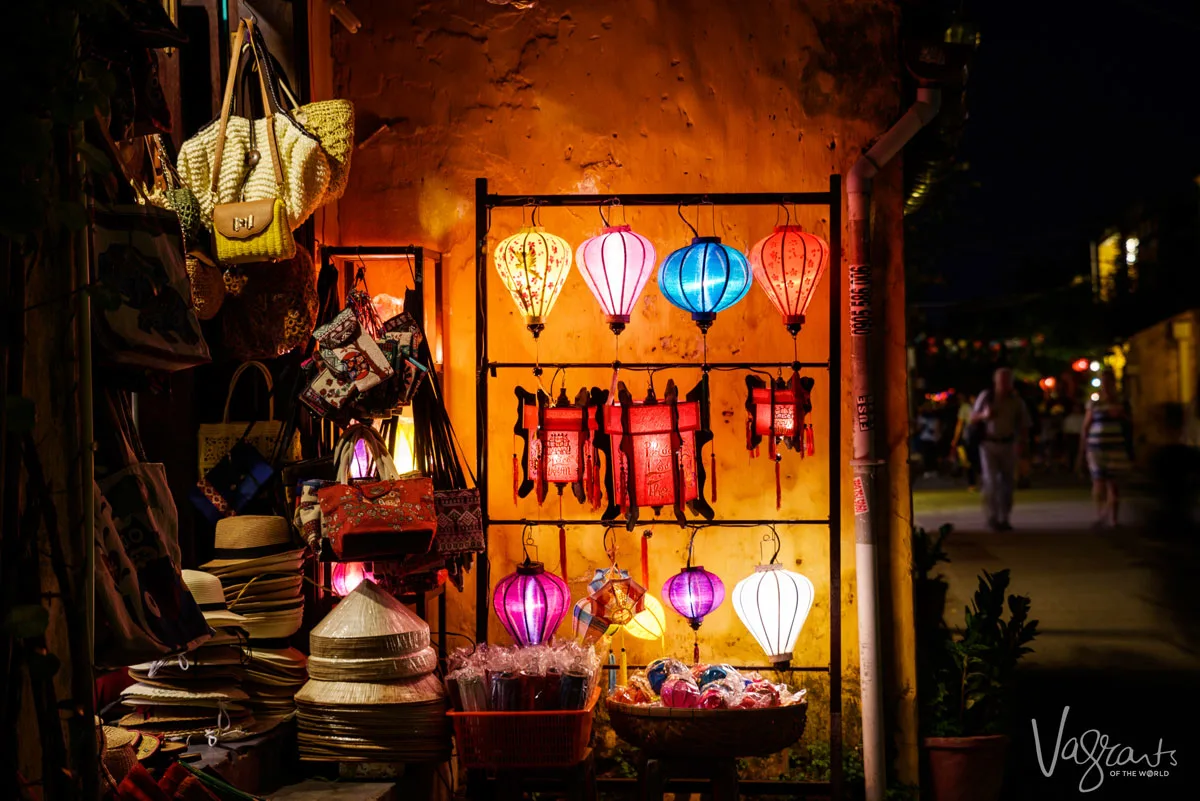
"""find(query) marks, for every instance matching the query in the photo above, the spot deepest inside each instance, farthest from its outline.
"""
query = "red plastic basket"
(524, 739)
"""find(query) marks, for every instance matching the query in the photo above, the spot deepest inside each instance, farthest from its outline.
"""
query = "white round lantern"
(773, 604)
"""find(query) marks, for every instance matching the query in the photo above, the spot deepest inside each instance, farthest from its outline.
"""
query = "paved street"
(1118, 616)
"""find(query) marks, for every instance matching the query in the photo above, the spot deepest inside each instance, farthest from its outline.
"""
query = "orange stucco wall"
(634, 96)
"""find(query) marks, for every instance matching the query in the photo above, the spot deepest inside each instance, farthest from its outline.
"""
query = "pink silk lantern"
(530, 603)
(616, 266)
(680, 693)
(788, 265)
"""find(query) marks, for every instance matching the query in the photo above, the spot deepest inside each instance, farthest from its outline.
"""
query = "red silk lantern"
(778, 411)
(654, 452)
(557, 444)
(788, 265)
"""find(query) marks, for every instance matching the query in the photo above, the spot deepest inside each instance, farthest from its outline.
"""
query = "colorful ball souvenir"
(660, 670)
(680, 693)
(716, 673)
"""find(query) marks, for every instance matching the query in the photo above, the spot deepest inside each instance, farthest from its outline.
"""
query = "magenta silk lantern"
(694, 593)
(788, 265)
(616, 266)
(531, 603)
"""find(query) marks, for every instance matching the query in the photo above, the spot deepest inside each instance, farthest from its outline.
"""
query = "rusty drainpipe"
(865, 462)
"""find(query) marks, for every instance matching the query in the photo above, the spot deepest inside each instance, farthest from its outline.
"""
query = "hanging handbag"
(144, 611)
(216, 439)
(224, 156)
(145, 316)
(233, 482)
(331, 121)
(275, 310)
(388, 517)
(250, 230)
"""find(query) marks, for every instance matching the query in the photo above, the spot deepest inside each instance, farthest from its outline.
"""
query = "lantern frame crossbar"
(485, 202)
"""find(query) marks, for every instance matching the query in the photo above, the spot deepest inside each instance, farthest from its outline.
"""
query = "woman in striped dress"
(1106, 438)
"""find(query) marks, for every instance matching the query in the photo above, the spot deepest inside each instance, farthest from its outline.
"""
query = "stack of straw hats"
(372, 696)
(259, 566)
(197, 693)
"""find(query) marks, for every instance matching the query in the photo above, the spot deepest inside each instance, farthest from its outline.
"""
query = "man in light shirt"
(1004, 420)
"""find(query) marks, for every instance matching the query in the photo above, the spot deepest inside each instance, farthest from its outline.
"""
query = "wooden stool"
(574, 782)
(654, 773)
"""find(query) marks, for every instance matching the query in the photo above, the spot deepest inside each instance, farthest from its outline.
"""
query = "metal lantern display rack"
(831, 200)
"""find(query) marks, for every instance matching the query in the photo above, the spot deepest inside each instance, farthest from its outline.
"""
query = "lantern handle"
(692, 545)
(679, 210)
(704, 201)
(772, 537)
(610, 545)
(528, 542)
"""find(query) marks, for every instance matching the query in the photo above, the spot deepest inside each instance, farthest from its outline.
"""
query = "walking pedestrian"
(1108, 443)
(1003, 420)
(929, 429)
(963, 445)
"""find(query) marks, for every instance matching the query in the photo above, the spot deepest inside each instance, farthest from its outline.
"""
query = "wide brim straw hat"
(425, 689)
(272, 625)
(260, 586)
(250, 599)
(210, 597)
(248, 537)
(147, 746)
(172, 718)
(388, 668)
(144, 694)
(282, 657)
(253, 606)
(282, 564)
(368, 624)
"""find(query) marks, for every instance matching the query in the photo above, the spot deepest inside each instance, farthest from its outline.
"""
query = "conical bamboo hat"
(360, 693)
(368, 624)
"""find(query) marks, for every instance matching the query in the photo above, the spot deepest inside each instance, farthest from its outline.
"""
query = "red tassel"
(696, 651)
(713, 460)
(516, 477)
(562, 551)
(645, 561)
(812, 441)
(778, 488)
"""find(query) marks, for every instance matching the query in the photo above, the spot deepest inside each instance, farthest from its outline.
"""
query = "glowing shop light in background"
(1080, 365)
(533, 265)
(616, 266)
(1095, 382)
(348, 575)
(1048, 383)
(1095, 396)
(788, 265)
(1131, 250)
(1094, 366)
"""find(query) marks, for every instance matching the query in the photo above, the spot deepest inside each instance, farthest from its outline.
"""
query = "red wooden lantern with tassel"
(779, 411)
(654, 452)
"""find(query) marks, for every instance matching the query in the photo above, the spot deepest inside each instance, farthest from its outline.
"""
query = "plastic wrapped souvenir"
(679, 692)
(660, 670)
(715, 673)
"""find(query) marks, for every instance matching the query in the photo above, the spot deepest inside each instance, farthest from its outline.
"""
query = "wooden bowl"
(660, 731)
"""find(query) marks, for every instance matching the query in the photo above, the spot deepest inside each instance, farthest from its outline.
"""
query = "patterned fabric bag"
(144, 611)
(232, 483)
(388, 517)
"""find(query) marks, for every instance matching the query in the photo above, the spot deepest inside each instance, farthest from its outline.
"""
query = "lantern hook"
(692, 545)
(679, 210)
(528, 542)
(610, 545)
(772, 537)
(704, 201)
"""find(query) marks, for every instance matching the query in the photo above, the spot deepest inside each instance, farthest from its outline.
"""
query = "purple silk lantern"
(694, 593)
(531, 603)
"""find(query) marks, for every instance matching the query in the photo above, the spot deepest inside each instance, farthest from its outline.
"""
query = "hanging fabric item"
(557, 445)
(653, 451)
(778, 411)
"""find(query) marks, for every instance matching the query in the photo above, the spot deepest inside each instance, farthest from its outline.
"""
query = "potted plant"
(967, 708)
(929, 591)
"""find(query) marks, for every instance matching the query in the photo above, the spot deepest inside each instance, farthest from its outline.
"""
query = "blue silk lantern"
(704, 278)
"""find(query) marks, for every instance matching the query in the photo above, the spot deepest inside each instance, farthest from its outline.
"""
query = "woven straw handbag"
(332, 122)
(216, 439)
(294, 169)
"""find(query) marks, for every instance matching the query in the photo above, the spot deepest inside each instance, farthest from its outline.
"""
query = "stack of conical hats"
(197, 693)
(371, 696)
(259, 565)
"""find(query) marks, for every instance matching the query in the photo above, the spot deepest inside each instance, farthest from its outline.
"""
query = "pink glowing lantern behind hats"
(694, 592)
(616, 266)
(530, 603)
(348, 575)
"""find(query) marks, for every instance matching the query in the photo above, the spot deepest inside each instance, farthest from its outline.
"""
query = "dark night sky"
(1076, 109)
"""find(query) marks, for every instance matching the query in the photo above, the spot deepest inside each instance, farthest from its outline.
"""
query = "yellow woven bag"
(252, 230)
(332, 122)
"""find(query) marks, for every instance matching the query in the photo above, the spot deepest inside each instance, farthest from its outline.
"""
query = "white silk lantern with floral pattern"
(534, 265)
